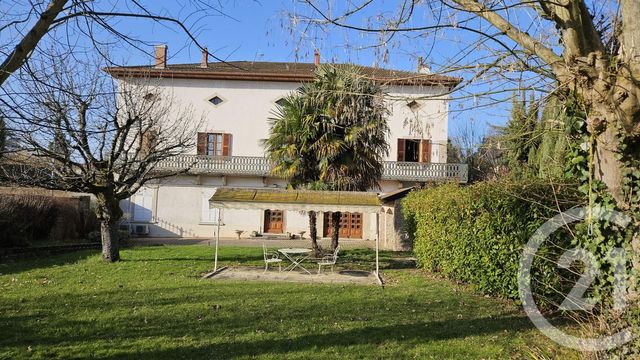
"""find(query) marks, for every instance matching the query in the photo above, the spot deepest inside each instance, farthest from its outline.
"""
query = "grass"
(154, 305)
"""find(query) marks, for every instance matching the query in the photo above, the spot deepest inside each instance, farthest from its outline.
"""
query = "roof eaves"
(183, 71)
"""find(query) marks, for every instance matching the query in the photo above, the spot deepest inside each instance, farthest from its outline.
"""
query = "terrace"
(259, 166)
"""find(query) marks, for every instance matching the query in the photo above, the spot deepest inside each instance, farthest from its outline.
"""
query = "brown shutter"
(202, 143)
(226, 145)
(425, 151)
(400, 149)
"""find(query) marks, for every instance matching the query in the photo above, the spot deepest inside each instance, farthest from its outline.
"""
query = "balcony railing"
(259, 166)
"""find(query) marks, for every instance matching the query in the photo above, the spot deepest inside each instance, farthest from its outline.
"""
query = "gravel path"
(326, 277)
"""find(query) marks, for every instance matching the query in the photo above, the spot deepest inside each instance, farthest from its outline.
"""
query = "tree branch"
(523, 39)
(22, 51)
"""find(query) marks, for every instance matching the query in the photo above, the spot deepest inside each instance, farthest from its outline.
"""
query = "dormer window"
(216, 100)
(281, 101)
(413, 105)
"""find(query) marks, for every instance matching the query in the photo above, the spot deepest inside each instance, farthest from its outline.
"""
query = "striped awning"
(300, 200)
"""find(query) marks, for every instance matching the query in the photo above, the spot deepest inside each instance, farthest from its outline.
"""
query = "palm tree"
(292, 130)
(353, 132)
(330, 134)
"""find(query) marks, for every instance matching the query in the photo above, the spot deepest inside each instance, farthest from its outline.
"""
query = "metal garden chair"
(329, 260)
(270, 258)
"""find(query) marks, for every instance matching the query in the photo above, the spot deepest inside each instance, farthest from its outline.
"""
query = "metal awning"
(296, 200)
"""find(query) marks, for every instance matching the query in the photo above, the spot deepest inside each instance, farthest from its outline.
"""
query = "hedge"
(27, 220)
(476, 233)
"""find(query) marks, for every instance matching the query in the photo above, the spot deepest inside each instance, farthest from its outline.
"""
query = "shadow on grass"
(15, 266)
(196, 253)
(366, 258)
(354, 259)
(419, 332)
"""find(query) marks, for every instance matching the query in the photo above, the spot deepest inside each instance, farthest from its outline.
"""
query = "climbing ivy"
(599, 236)
(596, 236)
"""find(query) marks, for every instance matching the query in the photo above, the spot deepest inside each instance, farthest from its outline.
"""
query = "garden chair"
(270, 258)
(329, 260)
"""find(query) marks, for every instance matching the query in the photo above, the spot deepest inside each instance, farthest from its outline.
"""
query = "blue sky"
(261, 31)
(253, 30)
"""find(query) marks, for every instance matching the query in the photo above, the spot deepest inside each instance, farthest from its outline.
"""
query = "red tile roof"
(275, 71)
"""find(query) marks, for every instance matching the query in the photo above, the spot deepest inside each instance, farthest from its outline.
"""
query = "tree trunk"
(313, 233)
(607, 166)
(108, 212)
(335, 234)
(110, 241)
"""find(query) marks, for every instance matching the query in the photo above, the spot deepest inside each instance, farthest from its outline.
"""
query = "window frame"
(213, 102)
(415, 107)
(424, 150)
(213, 145)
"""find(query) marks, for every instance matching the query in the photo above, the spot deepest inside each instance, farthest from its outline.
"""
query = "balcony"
(259, 166)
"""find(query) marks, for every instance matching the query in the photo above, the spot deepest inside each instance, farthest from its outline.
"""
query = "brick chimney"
(317, 57)
(161, 56)
(422, 68)
(205, 58)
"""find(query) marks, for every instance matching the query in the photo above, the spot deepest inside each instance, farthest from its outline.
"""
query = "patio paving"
(258, 274)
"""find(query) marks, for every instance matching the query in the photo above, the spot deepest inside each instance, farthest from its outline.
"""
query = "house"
(237, 98)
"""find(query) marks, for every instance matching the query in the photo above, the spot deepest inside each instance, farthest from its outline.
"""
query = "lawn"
(154, 304)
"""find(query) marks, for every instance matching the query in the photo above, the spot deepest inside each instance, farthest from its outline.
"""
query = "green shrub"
(476, 233)
(25, 218)
(96, 236)
(124, 236)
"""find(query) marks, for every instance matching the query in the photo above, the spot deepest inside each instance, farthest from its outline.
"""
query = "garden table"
(296, 256)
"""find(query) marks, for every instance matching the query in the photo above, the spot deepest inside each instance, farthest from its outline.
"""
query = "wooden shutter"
(202, 143)
(400, 149)
(226, 145)
(425, 151)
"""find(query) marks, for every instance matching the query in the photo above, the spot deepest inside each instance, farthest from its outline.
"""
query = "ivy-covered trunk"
(108, 212)
(635, 261)
(313, 232)
(335, 234)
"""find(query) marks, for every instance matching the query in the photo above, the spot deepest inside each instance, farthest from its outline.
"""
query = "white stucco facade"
(177, 207)
(247, 105)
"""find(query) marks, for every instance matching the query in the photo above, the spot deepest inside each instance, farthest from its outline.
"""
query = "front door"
(273, 221)
(350, 225)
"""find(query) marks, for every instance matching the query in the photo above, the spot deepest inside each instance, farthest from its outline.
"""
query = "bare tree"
(81, 132)
(587, 48)
(24, 24)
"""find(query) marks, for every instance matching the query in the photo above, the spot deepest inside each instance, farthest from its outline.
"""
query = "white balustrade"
(259, 166)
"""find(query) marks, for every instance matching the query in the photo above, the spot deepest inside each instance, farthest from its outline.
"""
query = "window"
(216, 100)
(209, 215)
(281, 101)
(414, 150)
(150, 97)
(142, 205)
(413, 105)
(214, 144)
